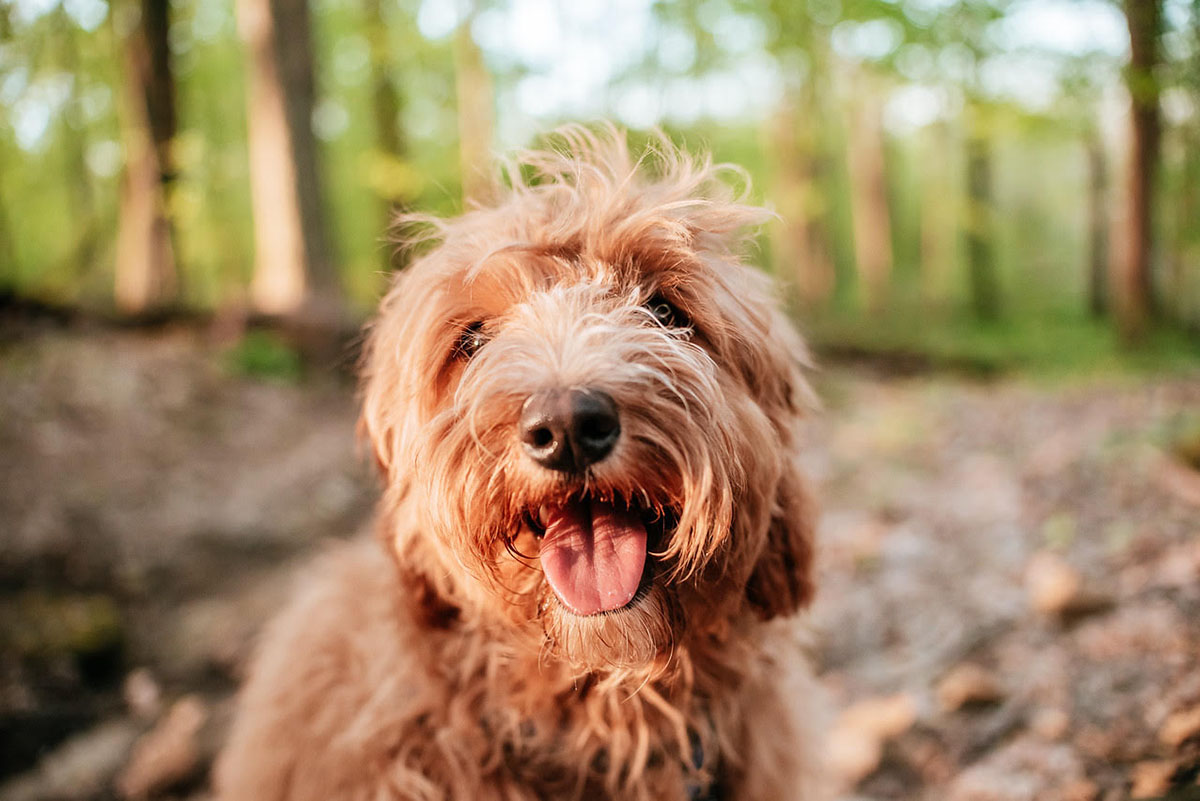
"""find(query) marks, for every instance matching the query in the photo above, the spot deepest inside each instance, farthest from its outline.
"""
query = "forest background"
(980, 183)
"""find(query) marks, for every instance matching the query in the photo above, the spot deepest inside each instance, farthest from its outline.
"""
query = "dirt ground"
(1010, 590)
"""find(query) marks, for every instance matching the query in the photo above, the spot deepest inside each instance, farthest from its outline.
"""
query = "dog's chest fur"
(561, 735)
(352, 693)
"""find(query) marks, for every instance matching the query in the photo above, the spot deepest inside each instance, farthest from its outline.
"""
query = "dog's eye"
(470, 340)
(666, 314)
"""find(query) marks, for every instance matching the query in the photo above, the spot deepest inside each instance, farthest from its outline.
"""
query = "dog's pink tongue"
(593, 555)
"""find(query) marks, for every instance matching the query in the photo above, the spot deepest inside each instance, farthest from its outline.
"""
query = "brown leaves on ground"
(1020, 563)
(1009, 605)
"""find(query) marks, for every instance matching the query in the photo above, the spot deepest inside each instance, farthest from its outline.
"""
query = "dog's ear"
(782, 581)
(399, 365)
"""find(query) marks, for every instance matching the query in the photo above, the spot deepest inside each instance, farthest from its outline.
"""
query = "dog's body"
(584, 409)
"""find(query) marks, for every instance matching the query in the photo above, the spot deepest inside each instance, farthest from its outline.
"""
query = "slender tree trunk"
(869, 201)
(386, 103)
(294, 274)
(1098, 225)
(146, 272)
(74, 138)
(1185, 267)
(473, 86)
(982, 281)
(801, 249)
(1133, 281)
(939, 227)
(10, 268)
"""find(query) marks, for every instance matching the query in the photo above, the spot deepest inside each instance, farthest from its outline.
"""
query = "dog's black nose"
(569, 429)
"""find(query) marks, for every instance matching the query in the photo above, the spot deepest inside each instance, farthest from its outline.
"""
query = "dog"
(584, 406)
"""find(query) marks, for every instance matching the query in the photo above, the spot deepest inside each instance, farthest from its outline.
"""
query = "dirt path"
(1009, 607)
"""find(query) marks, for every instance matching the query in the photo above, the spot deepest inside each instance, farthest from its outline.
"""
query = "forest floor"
(1009, 605)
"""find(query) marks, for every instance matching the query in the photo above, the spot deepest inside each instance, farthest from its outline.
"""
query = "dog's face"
(584, 408)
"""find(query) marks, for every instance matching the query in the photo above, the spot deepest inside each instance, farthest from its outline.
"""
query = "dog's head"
(584, 408)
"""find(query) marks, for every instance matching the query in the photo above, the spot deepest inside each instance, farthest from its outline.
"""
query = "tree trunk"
(939, 211)
(473, 87)
(869, 201)
(798, 249)
(386, 104)
(1185, 267)
(294, 273)
(74, 138)
(983, 283)
(10, 268)
(1098, 225)
(1133, 282)
(146, 272)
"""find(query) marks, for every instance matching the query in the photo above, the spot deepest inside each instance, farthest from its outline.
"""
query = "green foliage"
(59, 189)
(265, 355)
(1058, 346)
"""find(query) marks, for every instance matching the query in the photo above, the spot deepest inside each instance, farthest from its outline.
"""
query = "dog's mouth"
(595, 551)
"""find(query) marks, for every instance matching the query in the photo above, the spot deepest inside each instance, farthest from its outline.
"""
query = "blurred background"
(1023, 175)
(989, 230)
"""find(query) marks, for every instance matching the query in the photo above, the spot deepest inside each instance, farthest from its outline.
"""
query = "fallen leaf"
(1056, 589)
(166, 754)
(1051, 724)
(857, 740)
(1053, 585)
(1180, 727)
(1151, 779)
(968, 684)
(1080, 790)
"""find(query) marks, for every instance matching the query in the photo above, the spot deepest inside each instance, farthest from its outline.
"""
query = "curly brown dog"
(584, 407)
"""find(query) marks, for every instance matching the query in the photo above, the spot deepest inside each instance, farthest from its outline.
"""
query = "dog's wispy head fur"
(594, 272)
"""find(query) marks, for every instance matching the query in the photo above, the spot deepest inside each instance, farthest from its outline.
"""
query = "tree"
(869, 196)
(799, 41)
(980, 228)
(473, 85)
(939, 212)
(73, 135)
(145, 271)
(386, 103)
(294, 274)
(802, 248)
(965, 25)
(1098, 223)
(1133, 280)
(1185, 262)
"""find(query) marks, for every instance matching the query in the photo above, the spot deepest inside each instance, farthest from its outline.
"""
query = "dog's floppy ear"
(782, 582)
(400, 359)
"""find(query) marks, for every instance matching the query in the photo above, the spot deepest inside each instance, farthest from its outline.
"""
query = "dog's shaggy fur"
(453, 670)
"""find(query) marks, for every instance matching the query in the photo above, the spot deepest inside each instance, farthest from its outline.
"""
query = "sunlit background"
(967, 159)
